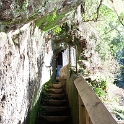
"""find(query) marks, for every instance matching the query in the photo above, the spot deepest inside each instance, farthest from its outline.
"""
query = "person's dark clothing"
(60, 61)
(59, 64)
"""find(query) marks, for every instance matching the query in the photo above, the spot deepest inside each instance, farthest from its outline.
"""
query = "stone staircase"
(55, 107)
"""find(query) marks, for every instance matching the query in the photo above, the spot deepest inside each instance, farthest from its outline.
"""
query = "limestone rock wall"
(22, 8)
(14, 13)
(23, 71)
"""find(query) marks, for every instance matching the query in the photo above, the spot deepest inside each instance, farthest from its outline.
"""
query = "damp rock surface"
(23, 71)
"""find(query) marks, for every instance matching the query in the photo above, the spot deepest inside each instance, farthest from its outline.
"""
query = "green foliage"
(121, 18)
(23, 9)
(65, 35)
(34, 109)
(109, 27)
(33, 115)
(39, 23)
(54, 15)
(36, 103)
(35, 13)
(111, 35)
(46, 86)
(100, 92)
(111, 42)
(49, 21)
(24, 6)
(100, 86)
(57, 29)
(90, 13)
(119, 113)
(106, 12)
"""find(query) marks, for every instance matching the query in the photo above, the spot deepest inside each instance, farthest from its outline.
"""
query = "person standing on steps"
(59, 60)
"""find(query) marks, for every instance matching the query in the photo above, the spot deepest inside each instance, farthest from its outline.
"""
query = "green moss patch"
(49, 21)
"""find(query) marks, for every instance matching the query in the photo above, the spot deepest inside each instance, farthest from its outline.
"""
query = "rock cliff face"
(26, 53)
(25, 60)
(10, 9)
(15, 13)
(18, 9)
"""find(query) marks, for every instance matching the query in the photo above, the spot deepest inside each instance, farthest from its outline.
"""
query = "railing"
(91, 109)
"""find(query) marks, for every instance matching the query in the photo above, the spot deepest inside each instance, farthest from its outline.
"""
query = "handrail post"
(69, 55)
(88, 120)
(82, 116)
(76, 57)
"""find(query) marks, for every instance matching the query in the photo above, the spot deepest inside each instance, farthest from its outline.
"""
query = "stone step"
(55, 111)
(60, 80)
(55, 119)
(58, 85)
(57, 96)
(55, 102)
(55, 108)
(55, 90)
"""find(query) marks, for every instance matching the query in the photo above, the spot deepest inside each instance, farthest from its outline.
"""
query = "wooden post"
(76, 57)
(82, 118)
(88, 120)
(69, 56)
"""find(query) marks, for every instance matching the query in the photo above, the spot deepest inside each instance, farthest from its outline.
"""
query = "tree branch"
(117, 15)
(97, 12)
(112, 30)
(120, 20)
(98, 9)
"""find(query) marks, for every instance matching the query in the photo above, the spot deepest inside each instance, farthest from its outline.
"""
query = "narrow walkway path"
(55, 107)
